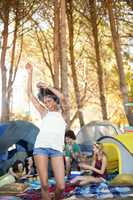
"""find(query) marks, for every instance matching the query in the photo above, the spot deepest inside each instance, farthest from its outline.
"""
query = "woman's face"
(30, 161)
(20, 167)
(96, 149)
(50, 103)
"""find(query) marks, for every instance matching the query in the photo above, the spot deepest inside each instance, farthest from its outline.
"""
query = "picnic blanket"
(97, 191)
(34, 193)
(103, 191)
(9, 198)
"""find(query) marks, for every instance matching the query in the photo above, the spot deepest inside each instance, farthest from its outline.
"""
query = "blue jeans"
(47, 152)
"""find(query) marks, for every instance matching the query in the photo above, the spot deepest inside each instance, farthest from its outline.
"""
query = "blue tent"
(14, 131)
(21, 133)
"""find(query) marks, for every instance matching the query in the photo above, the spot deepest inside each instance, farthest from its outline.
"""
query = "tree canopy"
(82, 47)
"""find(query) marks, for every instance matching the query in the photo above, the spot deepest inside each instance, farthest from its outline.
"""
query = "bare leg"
(59, 173)
(89, 179)
(42, 168)
(84, 180)
(68, 165)
(77, 179)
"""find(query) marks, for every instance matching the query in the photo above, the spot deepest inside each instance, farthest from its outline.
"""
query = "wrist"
(49, 87)
(30, 73)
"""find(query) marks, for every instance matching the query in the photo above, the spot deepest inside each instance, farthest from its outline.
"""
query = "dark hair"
(70, 134)
(46, 92)
(15, 165)
(27, 165)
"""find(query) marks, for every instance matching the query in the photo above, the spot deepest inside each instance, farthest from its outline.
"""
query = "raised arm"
(41, 108)
(52, 89)
(55, 91)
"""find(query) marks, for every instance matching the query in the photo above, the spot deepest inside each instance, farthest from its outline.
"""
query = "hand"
(70, 148)
(90, 167)
(29, 67)
(42, 85)
(85, 166)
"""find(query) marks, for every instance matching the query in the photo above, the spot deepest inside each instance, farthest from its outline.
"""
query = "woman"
(50, 140)
(98, 167)
(17, 170)
(15, 173)
(30, 166)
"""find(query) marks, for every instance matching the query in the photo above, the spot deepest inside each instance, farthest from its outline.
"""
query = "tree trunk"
(71, 47)
(64, 69)
(56, 43)
(11, 71)
(5, 103)
(93, 14)
(118, 55)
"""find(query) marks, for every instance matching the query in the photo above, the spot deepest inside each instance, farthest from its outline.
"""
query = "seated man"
(72, 151)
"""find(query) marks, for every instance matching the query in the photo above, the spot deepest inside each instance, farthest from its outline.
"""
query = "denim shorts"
(47, 152)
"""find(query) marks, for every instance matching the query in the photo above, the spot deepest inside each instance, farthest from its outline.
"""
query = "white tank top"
(52, 132)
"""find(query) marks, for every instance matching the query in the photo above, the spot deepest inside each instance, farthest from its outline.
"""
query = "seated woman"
(17, 170)
(30, 166)
(98, 167)
(72, 151)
